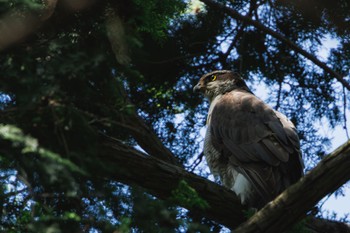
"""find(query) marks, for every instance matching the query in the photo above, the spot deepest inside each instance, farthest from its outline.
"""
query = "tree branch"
(161, 179)
(120, 162)
(133, 167)
(236, 15)
(292, 205)
(144, 135)
(16, 25)
(148, 140)
(117, 36)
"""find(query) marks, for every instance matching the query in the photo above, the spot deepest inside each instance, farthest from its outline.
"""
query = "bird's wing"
(257, 140)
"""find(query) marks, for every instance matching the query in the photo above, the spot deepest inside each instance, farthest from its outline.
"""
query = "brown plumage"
(253, 149)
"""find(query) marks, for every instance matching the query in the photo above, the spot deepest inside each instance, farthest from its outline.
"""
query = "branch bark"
(161, 179)
(237, 16)
(118, 161)
(149, 141)
(134, 167)
(117, 36)
(16, 25)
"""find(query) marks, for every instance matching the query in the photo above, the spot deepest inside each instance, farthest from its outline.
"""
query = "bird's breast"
(213, 102)
(211, 154)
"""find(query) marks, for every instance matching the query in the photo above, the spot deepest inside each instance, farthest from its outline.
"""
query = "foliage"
(62, 87)
(188, 196)
(300, 227)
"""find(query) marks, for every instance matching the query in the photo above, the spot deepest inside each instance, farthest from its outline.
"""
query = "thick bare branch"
(117, 36)
(318, 225)
(161, 179)
(16, 25)
(149, 141)
(293, 204)
(133, 167)
(236, 15)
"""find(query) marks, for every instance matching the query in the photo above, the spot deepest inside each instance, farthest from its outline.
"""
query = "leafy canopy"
(83, 73)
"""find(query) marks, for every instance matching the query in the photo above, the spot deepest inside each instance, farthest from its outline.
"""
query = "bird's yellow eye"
(213, 78)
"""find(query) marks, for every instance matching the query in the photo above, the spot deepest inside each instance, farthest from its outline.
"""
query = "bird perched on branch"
(253, 149)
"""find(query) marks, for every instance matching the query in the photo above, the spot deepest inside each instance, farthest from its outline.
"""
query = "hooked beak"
(198, 88)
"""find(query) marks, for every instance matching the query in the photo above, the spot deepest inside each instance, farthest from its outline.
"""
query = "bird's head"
(219, 82)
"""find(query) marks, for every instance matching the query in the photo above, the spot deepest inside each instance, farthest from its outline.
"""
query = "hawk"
(253, 149)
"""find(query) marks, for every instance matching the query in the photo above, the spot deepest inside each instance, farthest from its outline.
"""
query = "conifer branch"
(236, 15)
